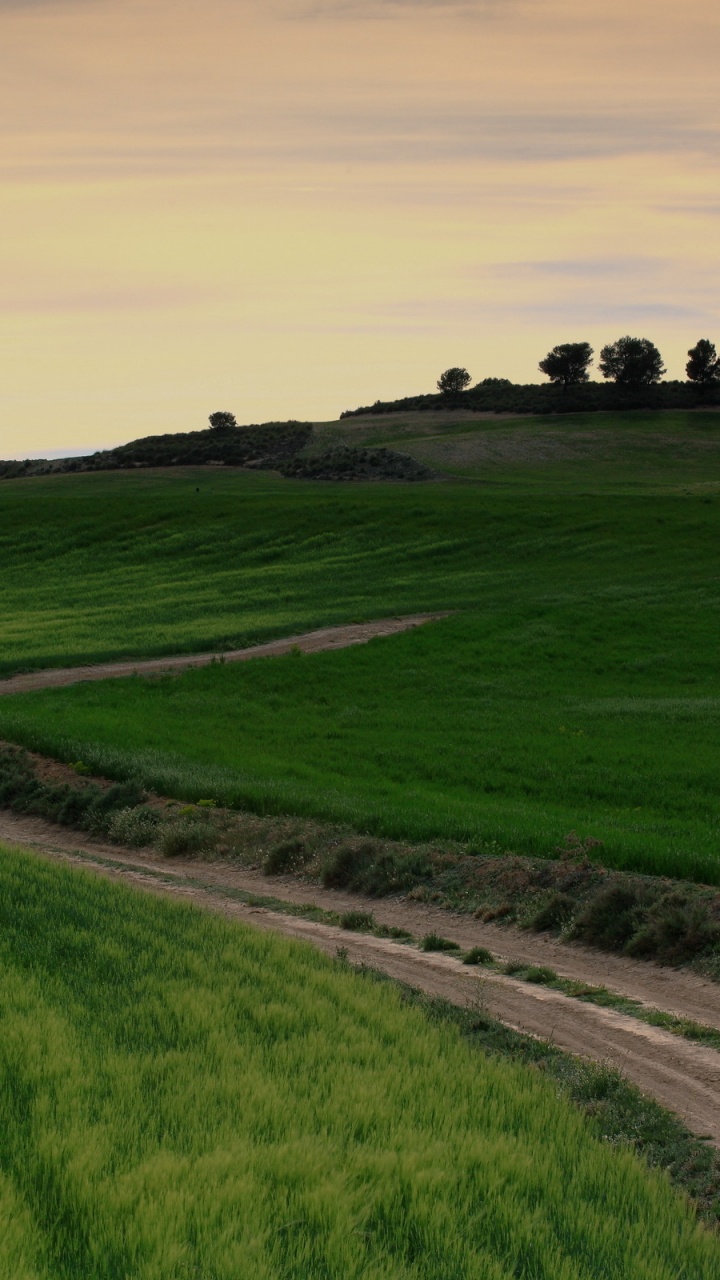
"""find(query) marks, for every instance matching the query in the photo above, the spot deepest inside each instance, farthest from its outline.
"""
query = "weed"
(433, 942)
(540, 974)
(478, 955)
(358, 921)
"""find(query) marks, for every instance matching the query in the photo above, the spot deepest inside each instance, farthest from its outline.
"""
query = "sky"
(287, 208)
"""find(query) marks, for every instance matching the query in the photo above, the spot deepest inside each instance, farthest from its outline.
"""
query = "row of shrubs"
(570, 894)
(119, 812)
(347, 463)
(264, 446)
(497, 395)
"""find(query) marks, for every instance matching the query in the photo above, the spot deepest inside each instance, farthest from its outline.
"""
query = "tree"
(453, 381)
(703, 366)
(222, 421)
(568, 363)
(632, 362)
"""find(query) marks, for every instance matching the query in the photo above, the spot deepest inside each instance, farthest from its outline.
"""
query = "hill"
(576, 689)
(272, 446)
(497, 395)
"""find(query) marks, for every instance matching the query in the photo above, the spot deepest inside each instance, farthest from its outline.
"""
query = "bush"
(289, 855)
(554, 913)
(133, 827)
(675, 929)
(611, 918)
(186, 837)
(343, 864)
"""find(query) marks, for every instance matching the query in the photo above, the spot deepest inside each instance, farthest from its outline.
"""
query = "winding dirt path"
(311, 642)
(682, 1075)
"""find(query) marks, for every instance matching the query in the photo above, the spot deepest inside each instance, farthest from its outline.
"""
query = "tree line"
(628, 362)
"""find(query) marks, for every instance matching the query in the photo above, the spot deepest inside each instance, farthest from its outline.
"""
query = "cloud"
(383, 9)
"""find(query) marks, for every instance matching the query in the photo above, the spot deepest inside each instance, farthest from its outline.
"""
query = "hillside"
(498, 395)
(183, 1095)
(575, 689)
(273, 446)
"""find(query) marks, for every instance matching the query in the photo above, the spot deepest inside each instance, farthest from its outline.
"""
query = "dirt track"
(312, 642)
(681, 1075)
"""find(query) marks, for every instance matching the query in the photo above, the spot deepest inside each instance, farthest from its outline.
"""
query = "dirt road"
(312, 642)
(680, 1074)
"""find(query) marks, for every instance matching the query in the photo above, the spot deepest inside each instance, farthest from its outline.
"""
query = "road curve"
(311, 642)
(680, 1074)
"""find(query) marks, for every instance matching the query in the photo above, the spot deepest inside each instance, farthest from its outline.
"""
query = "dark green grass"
(182, 1097)
(487, 727)
(577, 689)
(118, 564)
(591, 452)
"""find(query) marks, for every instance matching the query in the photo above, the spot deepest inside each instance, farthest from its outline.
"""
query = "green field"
(184, 1097)
(577, 687)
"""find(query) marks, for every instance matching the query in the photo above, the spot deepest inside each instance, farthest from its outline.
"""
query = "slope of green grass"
(182, 1097)
(610, 452)
(489, 726)
(577, 688)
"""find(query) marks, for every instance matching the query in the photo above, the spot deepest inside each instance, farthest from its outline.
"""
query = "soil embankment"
(680, 1074)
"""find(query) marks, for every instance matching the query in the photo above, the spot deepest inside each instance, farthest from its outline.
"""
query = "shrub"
(186, 837)
(676, 928)
(133, 827)
(555, 912)
(286, 856)
(611, 918)
(343, 864)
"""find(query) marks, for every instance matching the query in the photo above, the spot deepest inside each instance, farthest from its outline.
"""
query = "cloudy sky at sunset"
(290, 207)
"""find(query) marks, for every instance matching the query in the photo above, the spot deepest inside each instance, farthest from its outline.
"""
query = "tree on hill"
(453, 381)
(222, 421)
(632, 362)
(568, 363)
(703, 367)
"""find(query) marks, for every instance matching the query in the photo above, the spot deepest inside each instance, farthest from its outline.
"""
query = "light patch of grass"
(182, 1096)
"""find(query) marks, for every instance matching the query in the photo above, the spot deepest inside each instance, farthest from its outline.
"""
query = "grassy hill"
(186, 1097)
(575, 689)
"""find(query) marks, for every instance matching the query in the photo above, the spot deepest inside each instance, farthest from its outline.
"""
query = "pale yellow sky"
(290, 208)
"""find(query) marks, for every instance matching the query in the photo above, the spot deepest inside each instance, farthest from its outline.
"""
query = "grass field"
(183, 1097)
(576, 688)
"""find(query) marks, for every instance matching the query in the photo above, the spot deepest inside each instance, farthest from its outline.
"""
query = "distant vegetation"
(223, 444)
(183, 1096)
(633, 366)
(275, 446)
